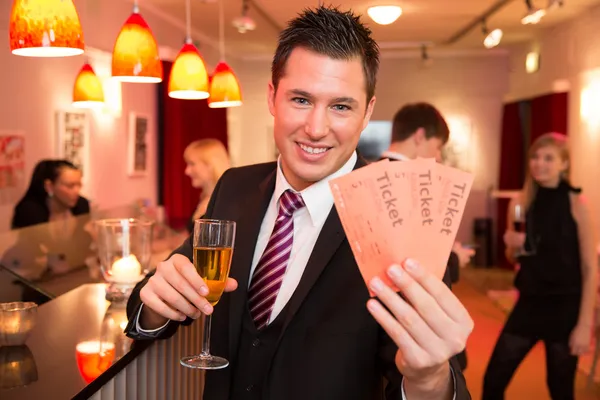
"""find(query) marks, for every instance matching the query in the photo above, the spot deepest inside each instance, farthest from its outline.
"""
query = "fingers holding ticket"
(429, 327)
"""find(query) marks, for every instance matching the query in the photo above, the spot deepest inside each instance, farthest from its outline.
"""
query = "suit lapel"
(248, 227)
(331, 237)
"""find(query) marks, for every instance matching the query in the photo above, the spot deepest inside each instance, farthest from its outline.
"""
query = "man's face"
(320, 109)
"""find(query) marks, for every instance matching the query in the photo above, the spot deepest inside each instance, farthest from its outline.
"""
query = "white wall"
(468, 87)
(569, 57)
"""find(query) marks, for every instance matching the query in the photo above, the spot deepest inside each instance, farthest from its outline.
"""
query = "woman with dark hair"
(550, 235)
(51, 219)
(53, 194)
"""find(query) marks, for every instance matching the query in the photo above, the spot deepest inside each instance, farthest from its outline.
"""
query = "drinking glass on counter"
(213, 248)
(124, 251)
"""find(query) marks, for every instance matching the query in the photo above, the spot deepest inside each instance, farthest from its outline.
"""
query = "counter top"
(49, 363)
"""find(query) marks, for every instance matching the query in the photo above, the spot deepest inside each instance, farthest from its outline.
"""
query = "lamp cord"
(188, 22)
(221, 30)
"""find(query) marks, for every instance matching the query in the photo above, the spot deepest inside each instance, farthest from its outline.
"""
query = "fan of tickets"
(391, 211)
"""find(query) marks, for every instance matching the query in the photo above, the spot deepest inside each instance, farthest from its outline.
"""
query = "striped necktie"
(270, 270)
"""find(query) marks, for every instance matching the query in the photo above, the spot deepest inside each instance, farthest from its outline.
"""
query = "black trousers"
(508, 354)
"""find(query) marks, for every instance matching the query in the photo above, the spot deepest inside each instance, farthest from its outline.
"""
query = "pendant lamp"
(45, 28)
(189, 78)
(224, 88)
(87, 91)
(135, 55)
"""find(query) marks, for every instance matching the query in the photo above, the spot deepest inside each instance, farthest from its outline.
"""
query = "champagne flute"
(213, 248)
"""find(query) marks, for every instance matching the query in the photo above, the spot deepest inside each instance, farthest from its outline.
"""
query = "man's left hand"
(429, 326)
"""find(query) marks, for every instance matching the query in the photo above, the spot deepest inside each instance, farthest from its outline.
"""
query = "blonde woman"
(557, 275)
(206, 160)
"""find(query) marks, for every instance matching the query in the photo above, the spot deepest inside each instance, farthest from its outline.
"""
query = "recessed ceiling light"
(384, 15)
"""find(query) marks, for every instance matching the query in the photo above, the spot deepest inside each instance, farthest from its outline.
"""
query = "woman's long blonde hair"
(554, 139)
(212, 152)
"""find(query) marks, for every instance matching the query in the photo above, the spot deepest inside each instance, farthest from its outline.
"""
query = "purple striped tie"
(270, 270)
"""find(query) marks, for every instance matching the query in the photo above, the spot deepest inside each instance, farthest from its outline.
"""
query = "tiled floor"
(529, 380)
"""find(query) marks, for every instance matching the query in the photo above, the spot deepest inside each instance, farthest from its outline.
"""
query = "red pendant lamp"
(135, 55)
(224, 87)
(45, 28)
(88, 91)
(188, 79)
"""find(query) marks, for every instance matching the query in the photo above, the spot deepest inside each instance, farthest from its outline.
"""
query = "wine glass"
(213, 248)
(519, 223)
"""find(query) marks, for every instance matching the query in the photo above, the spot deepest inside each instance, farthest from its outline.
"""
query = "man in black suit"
(322, 336)
(420, 130)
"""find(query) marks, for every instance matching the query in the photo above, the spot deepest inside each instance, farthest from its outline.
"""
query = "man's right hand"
(174, 292)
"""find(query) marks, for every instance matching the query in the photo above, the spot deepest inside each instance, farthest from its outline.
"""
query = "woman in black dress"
(556, 278)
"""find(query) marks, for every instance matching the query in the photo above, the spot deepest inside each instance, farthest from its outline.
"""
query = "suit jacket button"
(256, 343)
(250, 388)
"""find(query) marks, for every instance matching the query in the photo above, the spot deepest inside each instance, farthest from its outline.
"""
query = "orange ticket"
(394, 210)
(451, 198)
(373, 217)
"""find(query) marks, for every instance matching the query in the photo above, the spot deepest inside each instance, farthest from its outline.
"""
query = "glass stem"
(206, 336)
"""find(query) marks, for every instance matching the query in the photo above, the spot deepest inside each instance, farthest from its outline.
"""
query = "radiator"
(156, 373)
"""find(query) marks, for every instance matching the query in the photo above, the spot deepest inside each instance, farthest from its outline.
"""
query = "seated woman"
(53, 198)
(206, 160)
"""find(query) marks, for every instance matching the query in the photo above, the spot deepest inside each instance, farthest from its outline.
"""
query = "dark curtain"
(523, 122)
(512, 169)
(179, 123)
(549, 114)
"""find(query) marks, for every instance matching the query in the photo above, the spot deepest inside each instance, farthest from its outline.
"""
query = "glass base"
(204, 362)
(118, 293)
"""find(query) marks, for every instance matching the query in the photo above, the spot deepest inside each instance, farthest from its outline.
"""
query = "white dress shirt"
(394, 156)
(308, 222)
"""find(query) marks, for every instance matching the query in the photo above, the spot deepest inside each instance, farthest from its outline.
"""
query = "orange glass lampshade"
(188, 79)
(135, 55)
(224, 88)
(87, 91)
(94, 358)
(45, 28)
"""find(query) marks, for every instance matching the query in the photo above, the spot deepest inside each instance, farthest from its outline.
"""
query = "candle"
(126, 269)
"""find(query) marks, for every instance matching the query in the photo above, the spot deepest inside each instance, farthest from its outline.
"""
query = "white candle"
(126, 269)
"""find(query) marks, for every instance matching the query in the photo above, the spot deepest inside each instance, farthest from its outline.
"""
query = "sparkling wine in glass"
(213, 248)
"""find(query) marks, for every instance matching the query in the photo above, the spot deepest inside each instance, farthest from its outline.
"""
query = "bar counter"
(49, 365)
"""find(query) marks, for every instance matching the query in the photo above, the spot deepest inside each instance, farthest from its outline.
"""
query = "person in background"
(557, 277)
(420, 130)
(206, 160)
(51, 220)
(53, 195)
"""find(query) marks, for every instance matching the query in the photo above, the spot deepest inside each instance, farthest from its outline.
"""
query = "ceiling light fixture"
(244, 23)
(135, 54)
(224, 86)
(45, 28)
(493, 38)
(534, 14)
(188, 79)
(384, 15)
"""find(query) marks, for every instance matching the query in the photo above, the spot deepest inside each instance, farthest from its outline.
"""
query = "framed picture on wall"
(137, 148)
(73, 138)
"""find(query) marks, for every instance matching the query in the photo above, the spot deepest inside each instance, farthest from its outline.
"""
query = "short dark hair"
(419, 115)
(328, 31)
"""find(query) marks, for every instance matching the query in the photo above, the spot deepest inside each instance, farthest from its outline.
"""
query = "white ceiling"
(422, 21)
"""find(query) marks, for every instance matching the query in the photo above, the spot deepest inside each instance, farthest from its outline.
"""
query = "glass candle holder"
(16, 322)
(124, 251)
